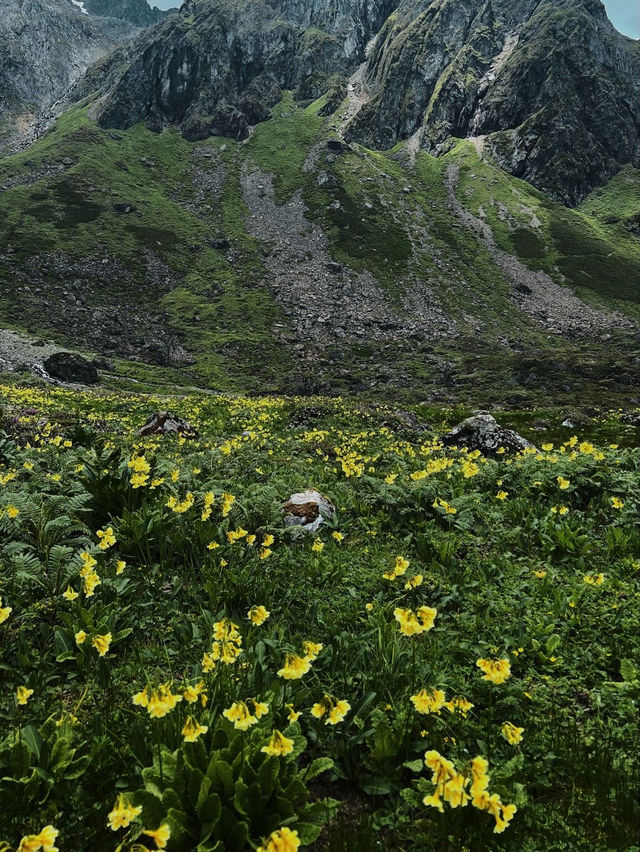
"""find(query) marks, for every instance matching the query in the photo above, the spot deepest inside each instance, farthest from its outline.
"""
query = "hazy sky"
(625, 14)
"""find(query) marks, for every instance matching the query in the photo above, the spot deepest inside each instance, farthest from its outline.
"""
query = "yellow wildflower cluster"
(511, 733)
(451, 787)
(439, 503)
(244, 714)
(141, 469)
(89, 574)
(43, 842)
(278, 745)
(295, 666)
(181, 506)
(400, 567)
(414, 623)
(429, 700)
(334, 709)
(258, 615)
(192, 730)
(227, 645)
(283, 840)
(159, 702)
(122, 813)
(496, 671)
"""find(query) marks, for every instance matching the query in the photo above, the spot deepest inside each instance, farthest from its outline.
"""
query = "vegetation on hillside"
(451, 662)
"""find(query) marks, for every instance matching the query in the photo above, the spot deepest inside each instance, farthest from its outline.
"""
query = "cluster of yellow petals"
(158, 702)
(414, 623)
(43, 842)
(283, 840)
(496, 671)
(244, 714)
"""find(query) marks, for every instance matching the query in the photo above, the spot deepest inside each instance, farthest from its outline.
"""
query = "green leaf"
(317, 767)
(33, 740)
(628, 671)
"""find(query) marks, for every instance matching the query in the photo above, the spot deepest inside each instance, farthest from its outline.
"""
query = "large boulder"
(165, 423)
(483, 433)
(69, 367)
(308, 510)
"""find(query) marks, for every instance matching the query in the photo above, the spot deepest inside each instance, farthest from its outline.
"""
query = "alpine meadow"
(319, 426)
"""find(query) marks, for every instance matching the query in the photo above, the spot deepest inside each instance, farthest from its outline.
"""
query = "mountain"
(551, 88)
(237, 201)
(47, 45)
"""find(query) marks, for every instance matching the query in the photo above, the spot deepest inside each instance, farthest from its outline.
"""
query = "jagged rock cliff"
(549, 88)
(44, 46)
(137, 12)
(552, 84)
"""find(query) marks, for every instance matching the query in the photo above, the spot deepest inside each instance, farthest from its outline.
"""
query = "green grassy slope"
(382, 213)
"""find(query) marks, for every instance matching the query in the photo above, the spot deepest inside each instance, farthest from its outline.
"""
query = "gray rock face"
(44, 46)
(165, 423)
(483, 433)
(553, 86)
(551, 90)
(219, 67)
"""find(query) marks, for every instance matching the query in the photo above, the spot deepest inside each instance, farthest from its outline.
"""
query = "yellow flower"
(107, 538)
(547, 447)
(496, 671)
(12, 511)
(428, 701)
(5, 612)
(160, 835)
(141, 699)
(80, 637)
(413, 582)
(213, 545)
(368, 607)
(192, 730)
(161, 701)
(312, 649)
(101, 643)
(337, 712)
(265, 552)
(240, 715)
(226, 502)
(461, 705)
(540, 574)
(317, 545)
(592, 580)
(258, 615)
(23, 694)
(70, 594)
(294, 715)
(511, 733)
(391, 478)
(617, 503)
(268, 540)
(337, 536)
(278, 745)
(502, 495)
(120, 566)
(413, 624)
(122, 814)
(43, 841)
(563, 483)
(282, 840)
(294, 667)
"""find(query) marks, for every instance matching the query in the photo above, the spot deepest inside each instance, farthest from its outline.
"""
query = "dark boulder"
(69, 367)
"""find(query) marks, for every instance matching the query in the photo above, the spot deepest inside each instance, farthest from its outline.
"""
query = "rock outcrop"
(483, 433)
(69, 367)
(551, 90)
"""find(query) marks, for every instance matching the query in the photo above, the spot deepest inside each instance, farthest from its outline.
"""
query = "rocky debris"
(308, 510)
(70, 367)
(553, 305)
(124, 320)
(165, 423)
(326, 301)
(124, 207)
(482, 432)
